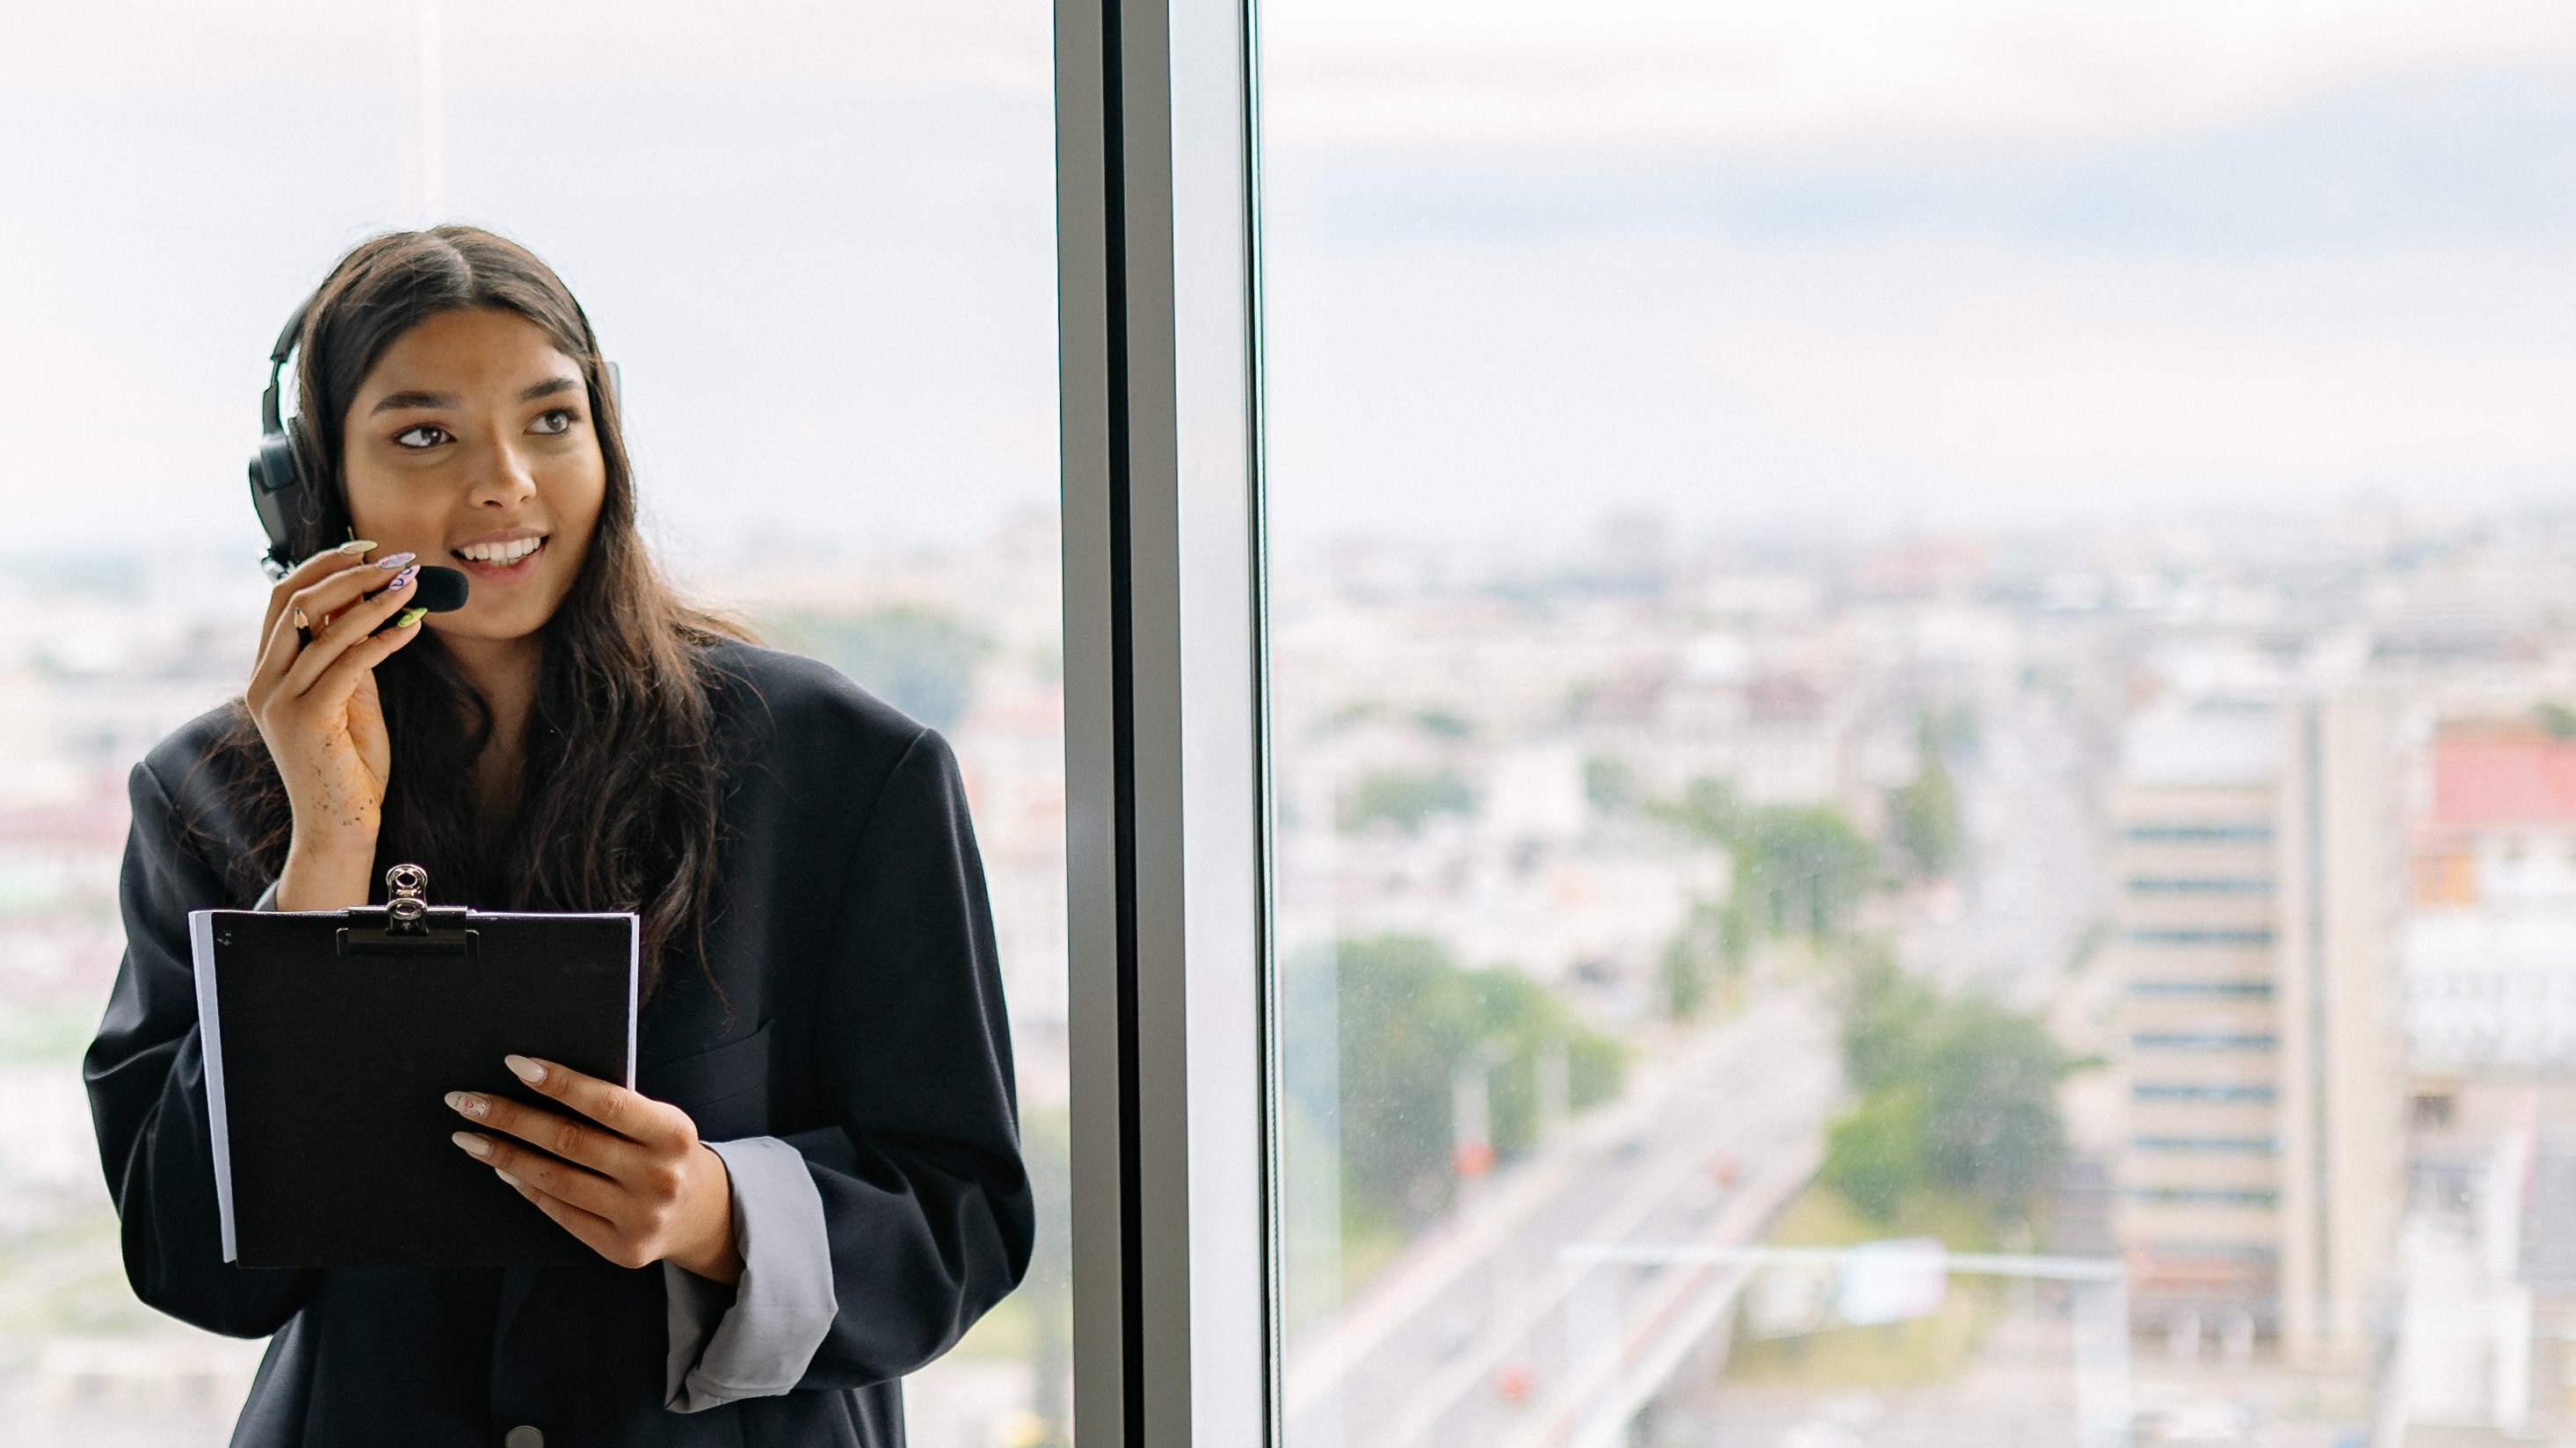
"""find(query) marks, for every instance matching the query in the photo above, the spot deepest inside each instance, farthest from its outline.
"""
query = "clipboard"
(331, 1040)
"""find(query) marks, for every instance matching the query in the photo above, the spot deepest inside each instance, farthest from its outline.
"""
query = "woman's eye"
(425, 435)
(552, 423)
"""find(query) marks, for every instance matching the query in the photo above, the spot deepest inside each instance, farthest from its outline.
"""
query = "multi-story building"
(2194, 815)
(2491, 936)
(2488, 1335)
(2256, 851)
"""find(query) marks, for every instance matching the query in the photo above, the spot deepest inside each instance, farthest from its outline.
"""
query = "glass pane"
(1917, 672)
(819, 241)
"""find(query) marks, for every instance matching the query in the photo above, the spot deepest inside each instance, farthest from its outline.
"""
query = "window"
(2200, 937)
(1819, 571)
(2251, 989)
(817, 239)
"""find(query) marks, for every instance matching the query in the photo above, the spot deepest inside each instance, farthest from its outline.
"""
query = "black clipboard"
(331, 1039)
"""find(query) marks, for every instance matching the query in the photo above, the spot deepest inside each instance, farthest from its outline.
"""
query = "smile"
(504, 557)
(500, 555)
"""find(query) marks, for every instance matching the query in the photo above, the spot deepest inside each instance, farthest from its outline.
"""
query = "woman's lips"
(502, 572)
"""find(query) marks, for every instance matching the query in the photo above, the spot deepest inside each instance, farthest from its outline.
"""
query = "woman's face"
(470, 444)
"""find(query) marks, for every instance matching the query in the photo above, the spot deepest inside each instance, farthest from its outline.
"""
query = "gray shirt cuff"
(755, 1338)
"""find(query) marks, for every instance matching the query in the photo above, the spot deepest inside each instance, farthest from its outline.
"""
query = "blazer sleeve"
(147, 1096)
(925, 1200)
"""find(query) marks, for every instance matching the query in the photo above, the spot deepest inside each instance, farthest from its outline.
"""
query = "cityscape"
(2097, 987)
(2103, 986)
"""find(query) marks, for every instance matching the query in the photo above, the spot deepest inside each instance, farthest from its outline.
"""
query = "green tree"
(1801, 868)
(1707, 809)
(1401, 1018)
(1706, 952)
(1974, 1086)
(1884, 1015)
(1444, 723)
(1610, 784)
(1406, 799)
(1923, 817)
(1874, 1153)
(1990, 1124)
(1797, 868)
(919, 660)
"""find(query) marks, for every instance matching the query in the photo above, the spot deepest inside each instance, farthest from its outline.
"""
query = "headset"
(279, 491)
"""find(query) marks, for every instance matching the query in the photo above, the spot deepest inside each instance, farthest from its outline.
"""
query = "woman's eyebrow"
(398, 401)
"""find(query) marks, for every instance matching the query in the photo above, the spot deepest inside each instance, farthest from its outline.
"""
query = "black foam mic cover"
(440, 590)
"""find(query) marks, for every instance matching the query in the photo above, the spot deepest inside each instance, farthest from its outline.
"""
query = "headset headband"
(269, 421)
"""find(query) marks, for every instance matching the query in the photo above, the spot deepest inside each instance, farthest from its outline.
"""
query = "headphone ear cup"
(277, 493)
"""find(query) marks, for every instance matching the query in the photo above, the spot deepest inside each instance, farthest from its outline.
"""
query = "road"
(2036, 879)
(1480, 1335)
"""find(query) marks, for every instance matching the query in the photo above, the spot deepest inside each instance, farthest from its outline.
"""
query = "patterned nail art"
(389, 564)
(403, 579)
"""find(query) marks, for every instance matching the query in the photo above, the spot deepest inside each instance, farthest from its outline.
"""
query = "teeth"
(500, 553)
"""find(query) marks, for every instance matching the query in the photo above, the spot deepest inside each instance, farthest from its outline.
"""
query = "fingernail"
(469, 1103)
(410, 616)
(356, 547)
(472, 1143)
(403, 579)
(525, 1069)
(392, 561)
(505, 1176)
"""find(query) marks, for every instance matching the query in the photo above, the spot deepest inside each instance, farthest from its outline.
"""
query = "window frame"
(1167, 792)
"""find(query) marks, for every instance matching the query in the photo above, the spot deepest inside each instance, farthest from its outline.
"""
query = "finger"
(635, 1117)
(303, 574)
(357, 621)
(567, 1137)
(323, 598)
(276, 655)
(331, 693)
(593, 1230)
(587, 1190)
(297, 615)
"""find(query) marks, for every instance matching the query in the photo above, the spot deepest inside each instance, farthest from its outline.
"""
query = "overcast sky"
(1886, 265)
(1892, 265)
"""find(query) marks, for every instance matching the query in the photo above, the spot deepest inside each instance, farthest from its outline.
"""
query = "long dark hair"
(617, 808)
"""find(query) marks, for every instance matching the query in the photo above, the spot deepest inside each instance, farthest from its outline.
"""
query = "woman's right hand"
(313, 696)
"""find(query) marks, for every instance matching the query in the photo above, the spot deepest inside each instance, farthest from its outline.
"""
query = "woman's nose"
(503, 479)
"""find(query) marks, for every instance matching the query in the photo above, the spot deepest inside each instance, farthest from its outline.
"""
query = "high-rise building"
(2256, 847)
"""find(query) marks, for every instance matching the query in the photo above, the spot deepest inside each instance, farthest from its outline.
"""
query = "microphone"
(440, 590)
(434, 589)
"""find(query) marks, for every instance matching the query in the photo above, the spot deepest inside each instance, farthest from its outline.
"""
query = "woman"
(817, 1186)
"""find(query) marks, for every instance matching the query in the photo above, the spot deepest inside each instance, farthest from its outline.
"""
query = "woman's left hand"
(637, 1187)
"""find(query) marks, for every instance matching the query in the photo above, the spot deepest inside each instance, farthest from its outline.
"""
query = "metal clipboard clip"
(412, 926)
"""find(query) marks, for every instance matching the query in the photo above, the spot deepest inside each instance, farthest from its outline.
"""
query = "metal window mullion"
(1164, 794)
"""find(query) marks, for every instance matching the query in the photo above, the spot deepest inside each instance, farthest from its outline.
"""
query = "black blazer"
(860, 1020)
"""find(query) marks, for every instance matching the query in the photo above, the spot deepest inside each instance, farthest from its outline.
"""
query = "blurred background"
(818, 239)
(1923, 665)
(1924, 692)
